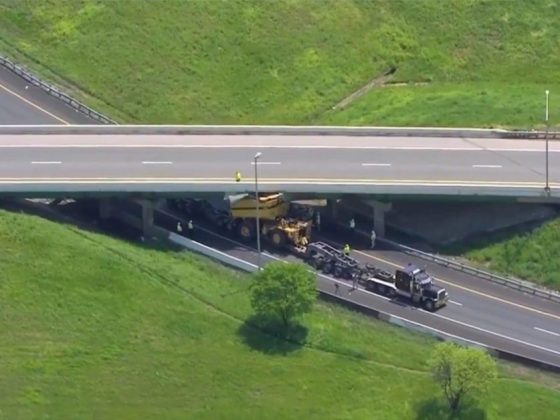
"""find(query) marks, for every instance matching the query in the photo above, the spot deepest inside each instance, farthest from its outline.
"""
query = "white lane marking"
(384, 297)
(486, 166)
(46, 162)
(326, 277)
(267, 181)
(154, 162)
(455, 303)
(27, 101)
(376, 164)
(476, 292)
(491, 332)
(546, 331)
(257, 146)
(266, 163)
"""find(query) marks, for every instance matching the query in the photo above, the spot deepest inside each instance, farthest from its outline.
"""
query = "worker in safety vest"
(190, 228)
(179, 228)
(346, 249)
(237, 176)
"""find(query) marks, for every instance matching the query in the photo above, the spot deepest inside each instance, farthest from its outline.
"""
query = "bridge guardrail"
(111, 128)
(530, 134)
(53, 91)
(505, 281)
(517, 284)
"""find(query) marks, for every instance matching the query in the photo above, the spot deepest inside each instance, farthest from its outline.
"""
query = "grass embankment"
(94, 326)
(532, 255)
(487, 63)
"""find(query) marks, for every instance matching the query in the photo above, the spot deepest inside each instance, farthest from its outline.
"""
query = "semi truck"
(294, 233)
(411, 282)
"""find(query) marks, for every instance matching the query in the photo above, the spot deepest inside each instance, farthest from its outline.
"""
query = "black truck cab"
(414, 283)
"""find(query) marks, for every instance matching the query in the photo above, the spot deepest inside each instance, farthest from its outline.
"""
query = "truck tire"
(317, 262)
(429, 305)
(278, 238)
(327, 268)
(337, 271)
(246, 231)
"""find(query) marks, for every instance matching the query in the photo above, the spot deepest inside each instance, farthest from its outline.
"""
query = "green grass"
(532, 255)
(289, 61)
(97, 327)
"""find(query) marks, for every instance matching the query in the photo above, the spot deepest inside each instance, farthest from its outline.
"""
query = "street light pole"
(547, 186)
(258, 223)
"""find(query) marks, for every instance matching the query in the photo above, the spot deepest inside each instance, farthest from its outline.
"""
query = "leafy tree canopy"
(285, 290)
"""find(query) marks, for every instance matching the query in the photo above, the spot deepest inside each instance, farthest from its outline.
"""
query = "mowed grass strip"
(486, 63)
(532, 255)
(94, 326)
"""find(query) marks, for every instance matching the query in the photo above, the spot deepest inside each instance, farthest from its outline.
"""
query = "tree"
(461, 371)
(283, 289)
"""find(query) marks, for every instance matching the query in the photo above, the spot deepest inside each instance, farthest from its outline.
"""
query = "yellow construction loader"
(240, 215)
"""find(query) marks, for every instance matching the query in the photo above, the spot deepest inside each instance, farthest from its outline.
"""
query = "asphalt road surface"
(306, 163)
(478, 310)
(24, 104)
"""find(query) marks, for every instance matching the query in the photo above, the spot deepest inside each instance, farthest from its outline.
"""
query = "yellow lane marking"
(476, 292)
(27, 101)
(280, 180)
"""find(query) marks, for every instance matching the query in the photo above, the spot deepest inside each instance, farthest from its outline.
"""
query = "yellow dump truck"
(239, 216)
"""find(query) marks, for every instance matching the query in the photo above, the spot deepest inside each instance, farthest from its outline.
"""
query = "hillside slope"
(486, 63)
(97, 327)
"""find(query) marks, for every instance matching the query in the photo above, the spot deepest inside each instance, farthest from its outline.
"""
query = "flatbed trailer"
(411, 283)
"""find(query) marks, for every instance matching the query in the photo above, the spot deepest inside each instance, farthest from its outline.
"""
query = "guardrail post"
(332, 208)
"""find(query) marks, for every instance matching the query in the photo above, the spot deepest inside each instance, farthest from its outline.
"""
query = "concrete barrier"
(255, 130)
(212, 253)
(393, 319)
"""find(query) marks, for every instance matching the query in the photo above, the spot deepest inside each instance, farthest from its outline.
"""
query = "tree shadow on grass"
(270, 336)
(437, 409)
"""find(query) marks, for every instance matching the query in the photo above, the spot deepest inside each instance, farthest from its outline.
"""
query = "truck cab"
(417, 285)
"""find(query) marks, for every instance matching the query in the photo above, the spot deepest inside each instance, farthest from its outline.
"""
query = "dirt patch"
(401, 84)
(378, 81)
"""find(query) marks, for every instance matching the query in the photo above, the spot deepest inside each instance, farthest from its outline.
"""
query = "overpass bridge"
(482, 311)
(377, 165)
(56, 161)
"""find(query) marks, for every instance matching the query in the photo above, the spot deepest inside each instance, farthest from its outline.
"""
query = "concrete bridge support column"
(147, 217)
(332, 209)
(105, 208)
(379, 210)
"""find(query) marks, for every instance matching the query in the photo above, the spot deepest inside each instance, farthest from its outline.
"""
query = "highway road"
(23, 103)
(399, 165)
(479, 310)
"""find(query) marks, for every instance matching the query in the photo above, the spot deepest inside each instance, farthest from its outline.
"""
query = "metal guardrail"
(384, 316)
(537, 135)
(517, 284)
(53, 91)
(280, 130)
(505, 281)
